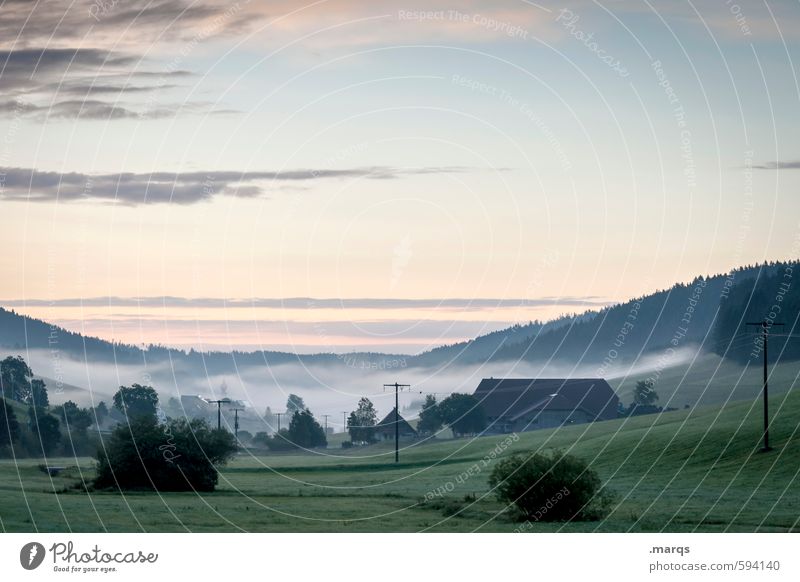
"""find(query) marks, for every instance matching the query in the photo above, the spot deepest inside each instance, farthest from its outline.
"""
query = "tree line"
(44, 429)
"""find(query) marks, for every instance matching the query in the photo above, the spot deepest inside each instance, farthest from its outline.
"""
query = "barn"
(384, 430)
(522, 404)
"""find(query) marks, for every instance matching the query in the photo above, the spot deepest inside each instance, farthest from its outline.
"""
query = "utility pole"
(219, 404)
(765, 325)
(279, 414)
(344, 421)
(326, 424)
(236, 421)
(397, 387)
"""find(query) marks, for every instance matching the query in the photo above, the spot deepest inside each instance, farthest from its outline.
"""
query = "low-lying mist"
(326, 388)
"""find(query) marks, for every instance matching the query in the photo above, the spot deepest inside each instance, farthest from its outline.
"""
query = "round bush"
(180, 455)
(554, 487)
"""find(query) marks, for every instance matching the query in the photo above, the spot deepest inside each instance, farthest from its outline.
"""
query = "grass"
(689, 470)
(709, 379)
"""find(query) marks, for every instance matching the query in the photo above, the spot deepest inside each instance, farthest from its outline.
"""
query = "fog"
(326, 389)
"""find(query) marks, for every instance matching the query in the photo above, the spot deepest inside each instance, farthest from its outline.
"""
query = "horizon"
(40, 308)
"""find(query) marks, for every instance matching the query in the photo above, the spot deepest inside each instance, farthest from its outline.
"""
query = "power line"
(326, 424)
(236, 421)
(279, 414)
(397, 387)
(219, 404)
(765, 325)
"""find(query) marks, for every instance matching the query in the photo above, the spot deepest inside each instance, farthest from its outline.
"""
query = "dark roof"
(387, 425)
(511, 398)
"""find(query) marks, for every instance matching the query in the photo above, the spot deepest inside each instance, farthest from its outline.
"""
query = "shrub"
(555, 487)
(178, 456)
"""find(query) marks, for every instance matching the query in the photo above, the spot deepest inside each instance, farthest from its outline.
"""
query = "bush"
(178, 456)
(555, 487)
(347, 444)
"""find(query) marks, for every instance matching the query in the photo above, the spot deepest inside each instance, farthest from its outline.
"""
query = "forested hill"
(485, 347)
(705, 311)
(773, 297)
(19, 333)
(709, 311)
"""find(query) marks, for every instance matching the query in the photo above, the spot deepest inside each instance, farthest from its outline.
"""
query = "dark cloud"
(31, 69)
(37, 77)
(179, 188)
(46, 83)
(104, 110)
(791, 165)
(122, 22)
(89, 90)
(461, 304)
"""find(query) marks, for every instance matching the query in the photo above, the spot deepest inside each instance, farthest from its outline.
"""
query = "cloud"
(40, 66)
(103, 110)
(179, 188)
(121, 23)
(454, 303)
(791, 165)
(88, 90)
(27, 69)
(71, 84)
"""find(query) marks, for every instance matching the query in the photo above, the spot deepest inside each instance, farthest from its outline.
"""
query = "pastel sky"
(268, 174)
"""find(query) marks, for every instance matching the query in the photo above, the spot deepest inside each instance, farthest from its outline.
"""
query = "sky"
(389, 176)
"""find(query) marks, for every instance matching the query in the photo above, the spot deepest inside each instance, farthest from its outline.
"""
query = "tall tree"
(305, 431)
(430, 419)
(45, 428)
(100, 413)
(15, 378)
(38, 395)
(136, 401)
(294, 404)
(463, 414)
(361, 422)
(9, 425)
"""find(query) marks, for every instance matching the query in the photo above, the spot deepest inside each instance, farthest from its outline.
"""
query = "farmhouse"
(521, 404)
(384, 430)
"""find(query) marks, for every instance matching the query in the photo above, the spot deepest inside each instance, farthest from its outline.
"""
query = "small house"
(385, 429)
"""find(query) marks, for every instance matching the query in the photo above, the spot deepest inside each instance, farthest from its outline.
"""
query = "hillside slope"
(683, 316)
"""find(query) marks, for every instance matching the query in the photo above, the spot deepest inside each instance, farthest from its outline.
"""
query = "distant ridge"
(687, 314)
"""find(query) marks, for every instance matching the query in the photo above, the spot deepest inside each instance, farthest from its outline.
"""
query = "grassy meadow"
(693, 469)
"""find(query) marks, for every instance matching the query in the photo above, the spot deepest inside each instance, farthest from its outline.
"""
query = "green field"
(709, 379)
(688, 470)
